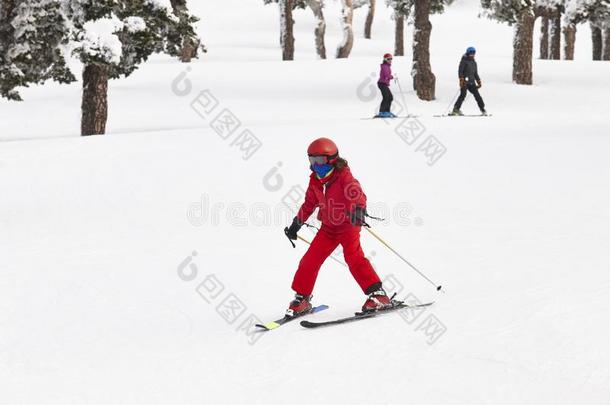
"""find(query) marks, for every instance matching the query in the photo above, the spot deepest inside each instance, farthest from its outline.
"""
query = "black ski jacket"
(468, 70)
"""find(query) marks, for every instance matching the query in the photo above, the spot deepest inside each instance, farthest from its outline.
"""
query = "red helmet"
(323, 147)
(387, 56)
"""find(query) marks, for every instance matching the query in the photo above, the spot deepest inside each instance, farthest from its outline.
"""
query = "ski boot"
(483, 112)
(456, 112)
(299, 305)
(377, 300)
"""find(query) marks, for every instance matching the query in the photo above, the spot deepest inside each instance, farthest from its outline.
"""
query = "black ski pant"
(386, 103)
(475, 92)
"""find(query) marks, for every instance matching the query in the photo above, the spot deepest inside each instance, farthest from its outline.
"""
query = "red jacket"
(336, 200)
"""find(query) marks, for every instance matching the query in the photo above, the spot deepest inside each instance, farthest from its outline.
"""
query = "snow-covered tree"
(401, 10)
(544, 37)
(521, 14)
(554, 10)
(286, 7)
(32, 34)
(424, 81)
(192, 43)
(110, 37)
(574, 14)
(370, 16)
(555, 32)
(317, 7)
(550, 12)
(347, 17)
(597, 13)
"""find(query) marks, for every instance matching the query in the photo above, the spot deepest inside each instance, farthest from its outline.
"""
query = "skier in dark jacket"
(469, 81)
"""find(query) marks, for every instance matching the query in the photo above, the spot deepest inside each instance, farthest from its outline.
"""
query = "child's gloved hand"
(358, 216)
(291, 232)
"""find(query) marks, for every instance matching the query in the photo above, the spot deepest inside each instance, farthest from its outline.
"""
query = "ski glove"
(291, 232)
(358, 216)
(479, 84)
(462, 82)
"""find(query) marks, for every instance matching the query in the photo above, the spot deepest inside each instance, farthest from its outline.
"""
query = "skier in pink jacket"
(385, 75)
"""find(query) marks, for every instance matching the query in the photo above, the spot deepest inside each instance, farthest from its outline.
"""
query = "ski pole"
(404, 100)
(303, 239)
(452, 101)
(438, 287)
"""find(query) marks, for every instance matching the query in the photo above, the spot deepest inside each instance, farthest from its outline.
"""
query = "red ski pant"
(321, 247)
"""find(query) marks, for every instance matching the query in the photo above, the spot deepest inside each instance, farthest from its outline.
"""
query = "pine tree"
(401, 9)
(574, 14)
(555, 31)
(191, 43)
(286, 7)
(550, 11)
(32, 39)
(347, 17)
(544, 37)
(521, 14)
(597, 13)
(317, 7)
(110, 37)
(370, 16)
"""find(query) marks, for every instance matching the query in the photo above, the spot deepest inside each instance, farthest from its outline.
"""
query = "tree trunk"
(316, 7)
(368, 24)
(95, 100)
(190, 48)
(596, 37)
(606, 48)
(544, 38)
(522, 47)
(569, 38)
(399, 34)
(190, 45)
(555, 52)
(347, 16)
(286, 29)
(424, 82)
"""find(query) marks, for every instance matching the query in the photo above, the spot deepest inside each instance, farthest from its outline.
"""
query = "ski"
(463, 115)
(376, 117)
(362, 315)
(276, 324)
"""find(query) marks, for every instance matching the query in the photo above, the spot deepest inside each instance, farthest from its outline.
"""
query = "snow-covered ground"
(102, 299)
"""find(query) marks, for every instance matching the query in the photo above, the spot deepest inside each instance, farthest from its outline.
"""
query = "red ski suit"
(335, 198)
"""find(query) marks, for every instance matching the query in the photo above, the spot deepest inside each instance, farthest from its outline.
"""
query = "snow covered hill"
(131, 263)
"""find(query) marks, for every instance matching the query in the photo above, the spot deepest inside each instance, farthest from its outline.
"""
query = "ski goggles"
(388, 59)
(321, 159)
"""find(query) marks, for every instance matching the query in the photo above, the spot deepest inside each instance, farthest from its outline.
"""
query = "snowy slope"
(512, 219)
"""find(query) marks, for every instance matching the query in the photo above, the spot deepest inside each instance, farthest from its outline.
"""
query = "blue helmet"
(471, 50)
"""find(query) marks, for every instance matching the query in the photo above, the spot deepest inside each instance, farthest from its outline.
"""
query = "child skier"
(469, 81)
(342, 211)
(385, 75)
